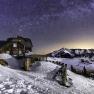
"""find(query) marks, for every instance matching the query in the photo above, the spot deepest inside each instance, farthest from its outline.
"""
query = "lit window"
(20, 52)
(8, 52)
(14, 44)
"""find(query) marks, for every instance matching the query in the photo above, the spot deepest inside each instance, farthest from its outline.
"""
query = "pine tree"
(85, 73)
(72, 69)
(64, 74)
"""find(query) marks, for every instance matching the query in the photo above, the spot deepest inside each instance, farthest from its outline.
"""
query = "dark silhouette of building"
(16, 46)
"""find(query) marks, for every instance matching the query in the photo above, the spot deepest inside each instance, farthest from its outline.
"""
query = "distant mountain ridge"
(70, 53)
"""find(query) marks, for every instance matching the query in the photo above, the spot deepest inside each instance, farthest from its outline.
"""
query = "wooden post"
(27, 64)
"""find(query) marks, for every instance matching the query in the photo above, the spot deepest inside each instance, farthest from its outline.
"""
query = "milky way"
(51, 24)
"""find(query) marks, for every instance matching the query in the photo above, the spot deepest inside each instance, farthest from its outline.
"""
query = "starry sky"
(50, 24)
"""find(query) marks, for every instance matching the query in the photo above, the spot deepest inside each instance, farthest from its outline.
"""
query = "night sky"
(51, 24)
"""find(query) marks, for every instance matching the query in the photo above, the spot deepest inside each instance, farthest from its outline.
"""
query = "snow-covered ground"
(38, 81)
(76, 62)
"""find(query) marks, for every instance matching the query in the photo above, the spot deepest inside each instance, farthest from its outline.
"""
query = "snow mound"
(13, 62)
(5, 56)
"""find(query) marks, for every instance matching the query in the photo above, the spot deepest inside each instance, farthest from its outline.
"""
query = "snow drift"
(12, 61)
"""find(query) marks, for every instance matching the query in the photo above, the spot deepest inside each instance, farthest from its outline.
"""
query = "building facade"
(17, 46)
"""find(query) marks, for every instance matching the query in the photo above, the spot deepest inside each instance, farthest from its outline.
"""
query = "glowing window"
(14, 44)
